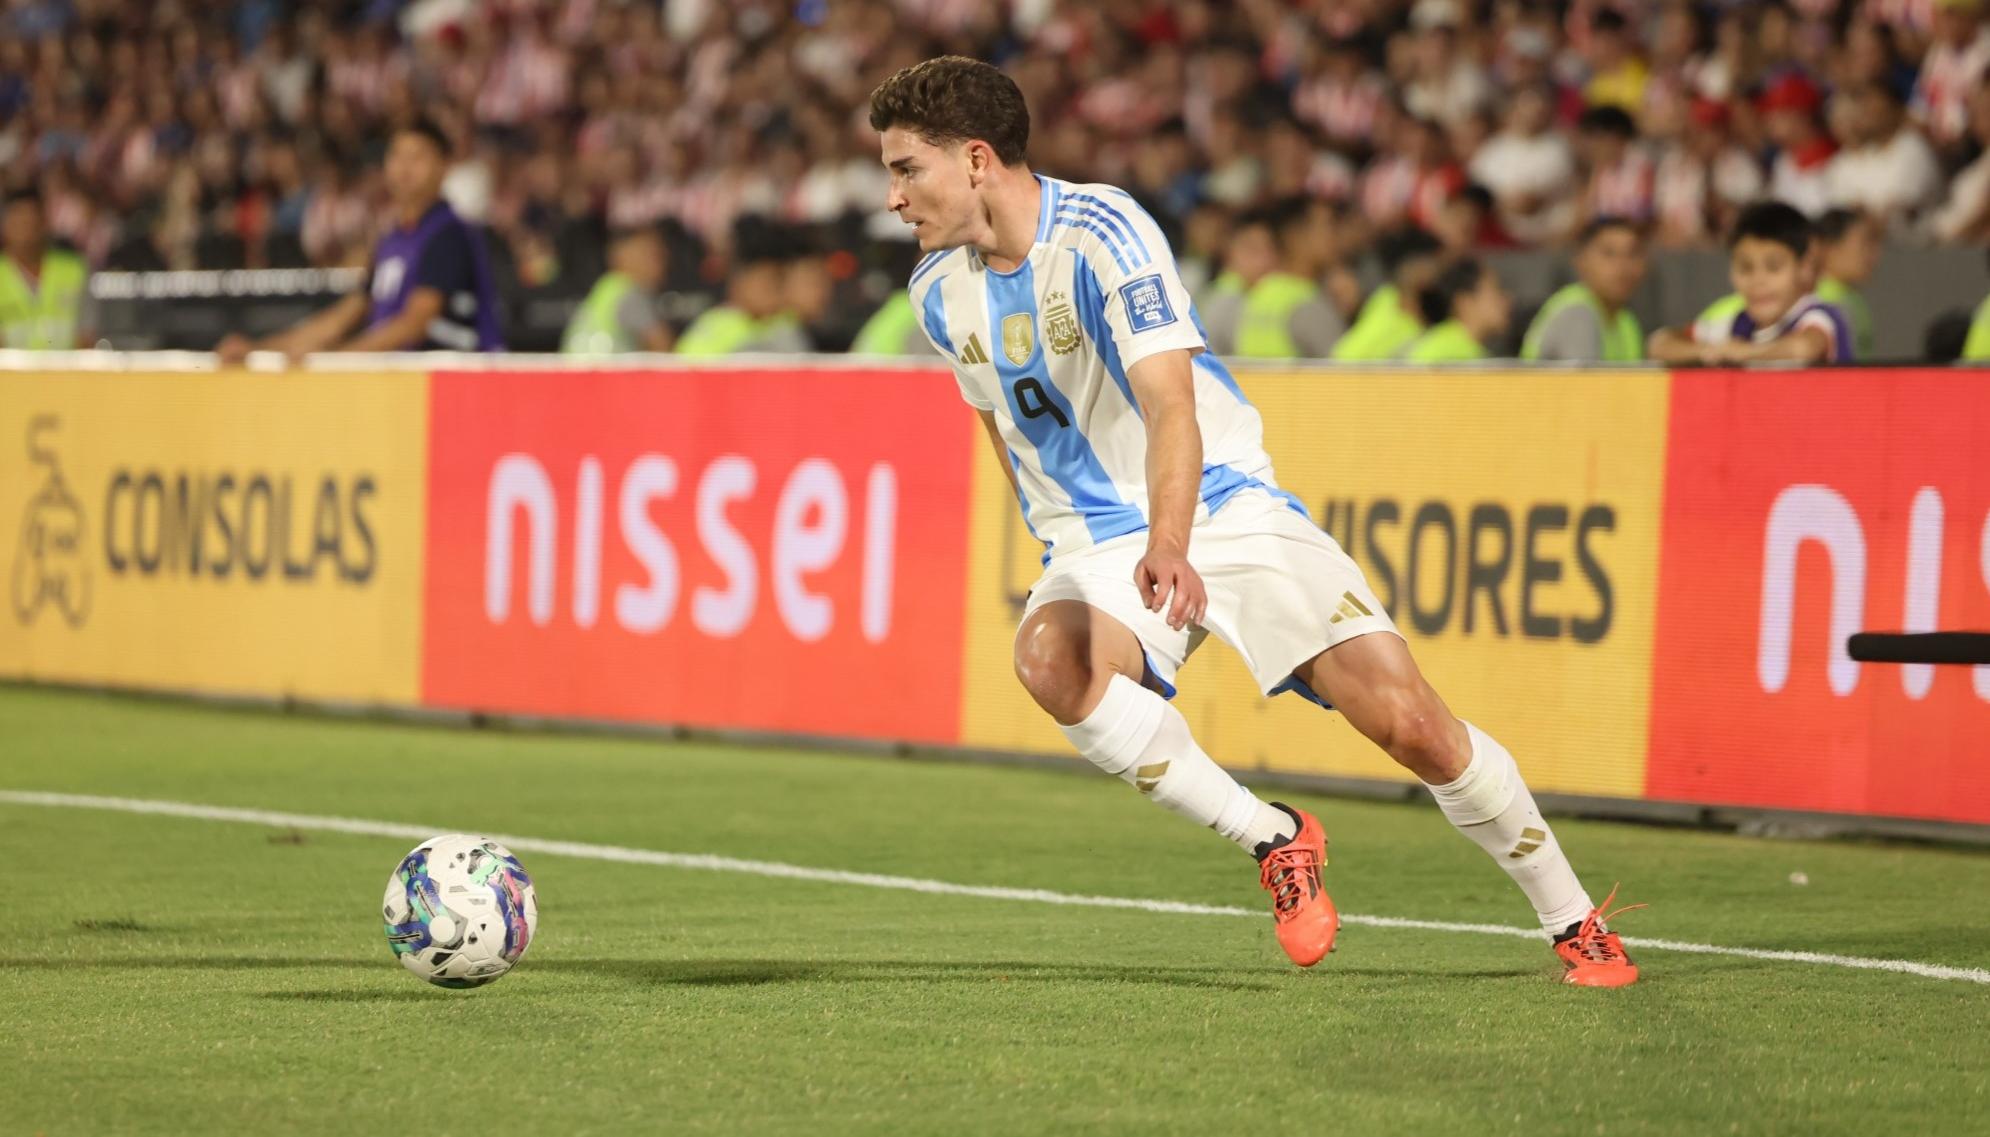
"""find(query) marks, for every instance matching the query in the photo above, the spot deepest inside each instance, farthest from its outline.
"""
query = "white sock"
(1134, 735)
(1490, 804)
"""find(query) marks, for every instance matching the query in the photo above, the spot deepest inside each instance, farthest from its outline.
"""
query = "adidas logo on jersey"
(1350, 607)
(972, 352)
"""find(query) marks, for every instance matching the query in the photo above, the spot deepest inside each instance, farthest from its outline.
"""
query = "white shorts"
(1281, 591)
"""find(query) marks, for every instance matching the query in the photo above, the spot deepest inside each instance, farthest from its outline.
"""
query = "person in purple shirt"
(429, 287)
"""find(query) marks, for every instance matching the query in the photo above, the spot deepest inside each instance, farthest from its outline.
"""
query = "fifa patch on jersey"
(1147, 304)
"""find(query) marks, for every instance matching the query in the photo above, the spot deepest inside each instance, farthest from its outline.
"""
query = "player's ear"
(980, 160)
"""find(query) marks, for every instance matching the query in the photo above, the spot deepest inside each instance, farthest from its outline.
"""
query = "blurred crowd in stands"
(174, 134)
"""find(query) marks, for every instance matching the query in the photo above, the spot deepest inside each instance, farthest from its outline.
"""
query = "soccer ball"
(460, 910)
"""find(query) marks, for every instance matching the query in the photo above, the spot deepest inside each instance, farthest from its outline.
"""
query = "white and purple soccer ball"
(460, 911)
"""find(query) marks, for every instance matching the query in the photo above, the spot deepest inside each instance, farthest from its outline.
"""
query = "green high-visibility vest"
(1448, 342)
(1264, 329)
(723, 330)
(43, 314)
(1976, 349)
(1727, 306)
(890, 329)
(1623, 338)
(1848, 301)
(595, 326)
(1381, 331)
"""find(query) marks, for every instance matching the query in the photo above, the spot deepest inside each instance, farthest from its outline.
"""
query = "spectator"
(430, 283)
(1778, 317)
(150, 133)
(893, 330)
(1469, 222)
(1467, 311)
(1205, 242)
(1590, 321)
(1341, 96)
(1888, 170)
(1412, 177)
(1621, 174)
(1617, 76)
(754, 318)
(1445, 85)
(619, 314)
(1252, 255)
(1965, 215)
(1703, 179)
(1803, 150)
(1952, 70)
(1976, 348)
(1393, 315)
(1285, 314)
(1848, 251)
(1529, 167)
(44, 291)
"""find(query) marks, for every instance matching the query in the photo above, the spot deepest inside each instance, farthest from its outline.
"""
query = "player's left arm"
(1151, 319)
(1164, 385)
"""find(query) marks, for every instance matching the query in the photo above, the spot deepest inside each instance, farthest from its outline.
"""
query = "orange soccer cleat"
(1290, 871)
(1594, 955)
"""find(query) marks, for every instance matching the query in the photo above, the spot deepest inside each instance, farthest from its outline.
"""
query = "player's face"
(932, 189)
(1613, 266)
(414, 169)
(1769, 277)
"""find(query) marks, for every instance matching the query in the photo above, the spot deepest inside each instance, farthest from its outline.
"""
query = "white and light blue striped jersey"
(1047, 348)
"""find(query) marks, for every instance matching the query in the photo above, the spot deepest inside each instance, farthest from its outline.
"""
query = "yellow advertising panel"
(234, 534)
(1509, 521)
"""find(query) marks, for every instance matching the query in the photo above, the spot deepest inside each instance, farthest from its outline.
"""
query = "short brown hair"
(955, 99)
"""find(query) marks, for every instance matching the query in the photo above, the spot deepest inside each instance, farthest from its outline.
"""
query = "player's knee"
(1053, 663)
(1421, 735)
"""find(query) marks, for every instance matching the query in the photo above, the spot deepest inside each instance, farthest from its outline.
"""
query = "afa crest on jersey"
(1060, 323)
(1018, 338)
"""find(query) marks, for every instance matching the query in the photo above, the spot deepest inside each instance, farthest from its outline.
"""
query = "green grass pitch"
(173, 975)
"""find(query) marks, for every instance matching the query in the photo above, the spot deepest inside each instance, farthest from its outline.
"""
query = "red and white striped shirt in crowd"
(1624, 189)
(1948, 75)
(1343, 111)
(1396, 188)
(1686, 190)
(527, 82)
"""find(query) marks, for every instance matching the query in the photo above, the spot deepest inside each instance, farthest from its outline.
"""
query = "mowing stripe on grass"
(713, 863)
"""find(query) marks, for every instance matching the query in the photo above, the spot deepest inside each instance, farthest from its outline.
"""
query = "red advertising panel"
(1799, 509)
(764, 550)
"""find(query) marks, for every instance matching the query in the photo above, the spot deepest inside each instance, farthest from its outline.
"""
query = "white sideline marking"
(713, 863)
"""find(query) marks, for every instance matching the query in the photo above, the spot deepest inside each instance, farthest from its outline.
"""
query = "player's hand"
(1164, 572)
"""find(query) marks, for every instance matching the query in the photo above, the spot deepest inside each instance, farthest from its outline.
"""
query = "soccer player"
(430, 286)
(1778, 318)
(1141, 466)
